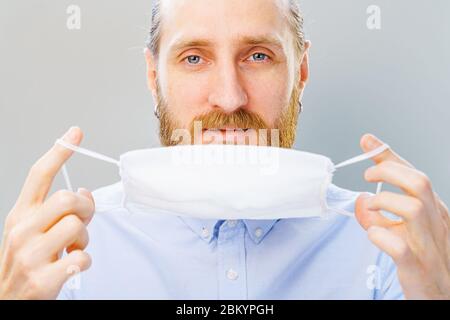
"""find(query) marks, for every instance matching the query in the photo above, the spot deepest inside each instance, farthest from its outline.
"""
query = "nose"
(228, 92)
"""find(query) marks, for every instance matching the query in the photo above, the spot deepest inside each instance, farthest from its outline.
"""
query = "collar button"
(205, 232)
(258, 232)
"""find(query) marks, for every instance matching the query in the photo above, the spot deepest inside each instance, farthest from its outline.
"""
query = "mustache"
(238, 119)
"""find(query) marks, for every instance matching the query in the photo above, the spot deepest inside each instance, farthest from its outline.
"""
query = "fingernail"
(73, 133)
(372, 141)
(82, 190)
(368, 172)
(365, 195)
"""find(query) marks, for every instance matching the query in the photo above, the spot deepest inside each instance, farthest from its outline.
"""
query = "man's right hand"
(37, 230)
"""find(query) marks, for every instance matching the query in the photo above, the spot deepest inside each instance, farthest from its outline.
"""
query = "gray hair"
(294, 17)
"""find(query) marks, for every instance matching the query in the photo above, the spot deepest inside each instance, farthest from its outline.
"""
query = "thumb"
(87, 194)
(366, 217)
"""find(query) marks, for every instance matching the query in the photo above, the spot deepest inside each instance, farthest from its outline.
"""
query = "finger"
(57, 273)
(414, 183)
(369, 142)
(42, 173)
(69, 233)
(443, 209)
(407, 207)
(367, 217)
(443, 228)
(392, 244)
(411, 209)
(60, 204)
(411, 181)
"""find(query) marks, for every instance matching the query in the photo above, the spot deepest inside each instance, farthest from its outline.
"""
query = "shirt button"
(258, 232)
(205, 233)
(232, 274)
(232, 223)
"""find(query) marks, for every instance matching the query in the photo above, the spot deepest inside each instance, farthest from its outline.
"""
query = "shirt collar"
(207, 229)
(258, 229)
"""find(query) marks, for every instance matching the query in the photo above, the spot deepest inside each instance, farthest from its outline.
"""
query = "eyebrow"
(182, 44)
(258, 40)
(247, 40)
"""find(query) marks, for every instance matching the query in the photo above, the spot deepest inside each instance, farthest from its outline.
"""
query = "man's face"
(230, 64)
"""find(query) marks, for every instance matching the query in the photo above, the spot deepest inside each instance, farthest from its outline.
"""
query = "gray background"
(393, 82)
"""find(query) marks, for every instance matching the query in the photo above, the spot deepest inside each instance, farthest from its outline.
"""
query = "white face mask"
(227, 181)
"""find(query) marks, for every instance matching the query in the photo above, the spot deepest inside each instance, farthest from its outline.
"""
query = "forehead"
(224, 20)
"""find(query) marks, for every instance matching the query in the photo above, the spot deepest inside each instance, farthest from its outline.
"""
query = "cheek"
(269, 94)
(185, 96)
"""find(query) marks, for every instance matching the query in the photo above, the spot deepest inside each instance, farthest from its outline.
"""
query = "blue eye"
(193, 60)
(259, 56)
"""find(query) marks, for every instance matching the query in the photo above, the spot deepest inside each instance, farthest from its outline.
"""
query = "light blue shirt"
(139, 254)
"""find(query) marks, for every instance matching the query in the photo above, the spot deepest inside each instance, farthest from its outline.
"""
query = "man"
(229, 65)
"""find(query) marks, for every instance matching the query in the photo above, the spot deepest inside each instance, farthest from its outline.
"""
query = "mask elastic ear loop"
(379, 187)
(365, 156)
(86, 152)
(361, 157)
(67, 178)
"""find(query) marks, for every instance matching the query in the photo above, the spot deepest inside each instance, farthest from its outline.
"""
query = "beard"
(250, 128)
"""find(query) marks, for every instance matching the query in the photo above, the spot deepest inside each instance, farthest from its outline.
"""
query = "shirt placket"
(232, 260)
